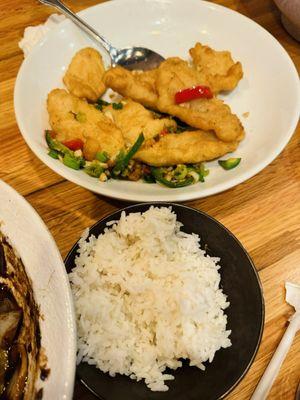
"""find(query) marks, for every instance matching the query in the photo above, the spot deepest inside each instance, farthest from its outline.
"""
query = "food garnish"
(59, 150)
(230, 163)
(75, 144)
(123, 159)
(179, 176)
(193, 93)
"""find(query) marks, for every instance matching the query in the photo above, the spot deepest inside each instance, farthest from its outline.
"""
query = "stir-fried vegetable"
(54, 154)
(193, 93)
(124, 167)
(230, 163)
(180, 175)
(123, 159)
(100, 104)
(58, 149)
(160, 176)
(74, 144)
(94, 169)
(117, 106)
(56, 145)
(72, 162)
(81, 117)
(102, 156)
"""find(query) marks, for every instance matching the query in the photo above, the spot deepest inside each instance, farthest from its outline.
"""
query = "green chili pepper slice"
(200, 170)
(123, 159)
(94, 169)
(71, 161)
(80, 117)
(180, 171)
(230, 163)
(54, 154)
(57, 146)
(148, 178)
(102, 156)
(117, 106)
(101, 103)
(158, 175)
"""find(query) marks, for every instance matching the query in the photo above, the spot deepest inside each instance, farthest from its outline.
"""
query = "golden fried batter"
(133, 119)
(138, 86)
(174, 75)
(73, 118)
(216, 67)
(84, 75)
(184, 148)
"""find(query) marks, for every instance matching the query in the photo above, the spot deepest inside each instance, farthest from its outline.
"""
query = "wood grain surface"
(264, 212)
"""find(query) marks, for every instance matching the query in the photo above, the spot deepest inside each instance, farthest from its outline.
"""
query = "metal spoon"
(131, 58)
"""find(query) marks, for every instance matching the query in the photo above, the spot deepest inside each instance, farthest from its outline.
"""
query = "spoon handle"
(83, 25)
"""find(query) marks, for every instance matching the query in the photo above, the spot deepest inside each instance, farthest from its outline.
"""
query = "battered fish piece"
(138, 86)
(174, 75)
(169, 149)
(84, 75)
(133, 119)
(73, 118)
(184, 148)
(216, 67)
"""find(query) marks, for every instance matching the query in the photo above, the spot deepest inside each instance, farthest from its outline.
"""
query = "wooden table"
(264, 212)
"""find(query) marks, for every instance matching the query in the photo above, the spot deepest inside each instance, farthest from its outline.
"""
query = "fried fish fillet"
(84, 75)
(184, 148)
(73, 118)
(213, 114)
(138, 86)
(217, 68)
(133, 119)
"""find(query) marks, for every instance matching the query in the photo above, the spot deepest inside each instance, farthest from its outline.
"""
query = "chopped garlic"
(103, 177)
(194, 175)
(78, 153)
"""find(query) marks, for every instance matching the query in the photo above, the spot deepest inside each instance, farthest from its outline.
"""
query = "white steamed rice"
(146, 295)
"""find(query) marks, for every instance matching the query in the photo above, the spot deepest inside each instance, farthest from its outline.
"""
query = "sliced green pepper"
(230, 163)
(148, 178)
(71, 161)
(54, 154)
(56, 145)
(102, 156)
(80, 117)
(158, 174)
(180, 171)
(123, 159)
(101, 103)
(200, 170)
(117, 106)
(57, 148)
(94, 169)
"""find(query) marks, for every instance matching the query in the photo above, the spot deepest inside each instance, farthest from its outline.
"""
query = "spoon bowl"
(132, 58)
(137, 58)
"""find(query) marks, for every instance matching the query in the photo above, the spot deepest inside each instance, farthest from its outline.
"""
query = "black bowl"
(240, 283)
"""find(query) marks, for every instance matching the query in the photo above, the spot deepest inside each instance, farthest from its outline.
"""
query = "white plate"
(44, 266)
(269, 90)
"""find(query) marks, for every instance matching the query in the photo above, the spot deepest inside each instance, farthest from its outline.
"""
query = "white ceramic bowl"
(44, 266)
(269, 90)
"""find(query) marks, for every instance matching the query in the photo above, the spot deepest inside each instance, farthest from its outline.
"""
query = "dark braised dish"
(20, 349)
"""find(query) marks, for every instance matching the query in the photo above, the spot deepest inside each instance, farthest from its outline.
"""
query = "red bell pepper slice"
(74, 144)
(193, 93)
(164, 132)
